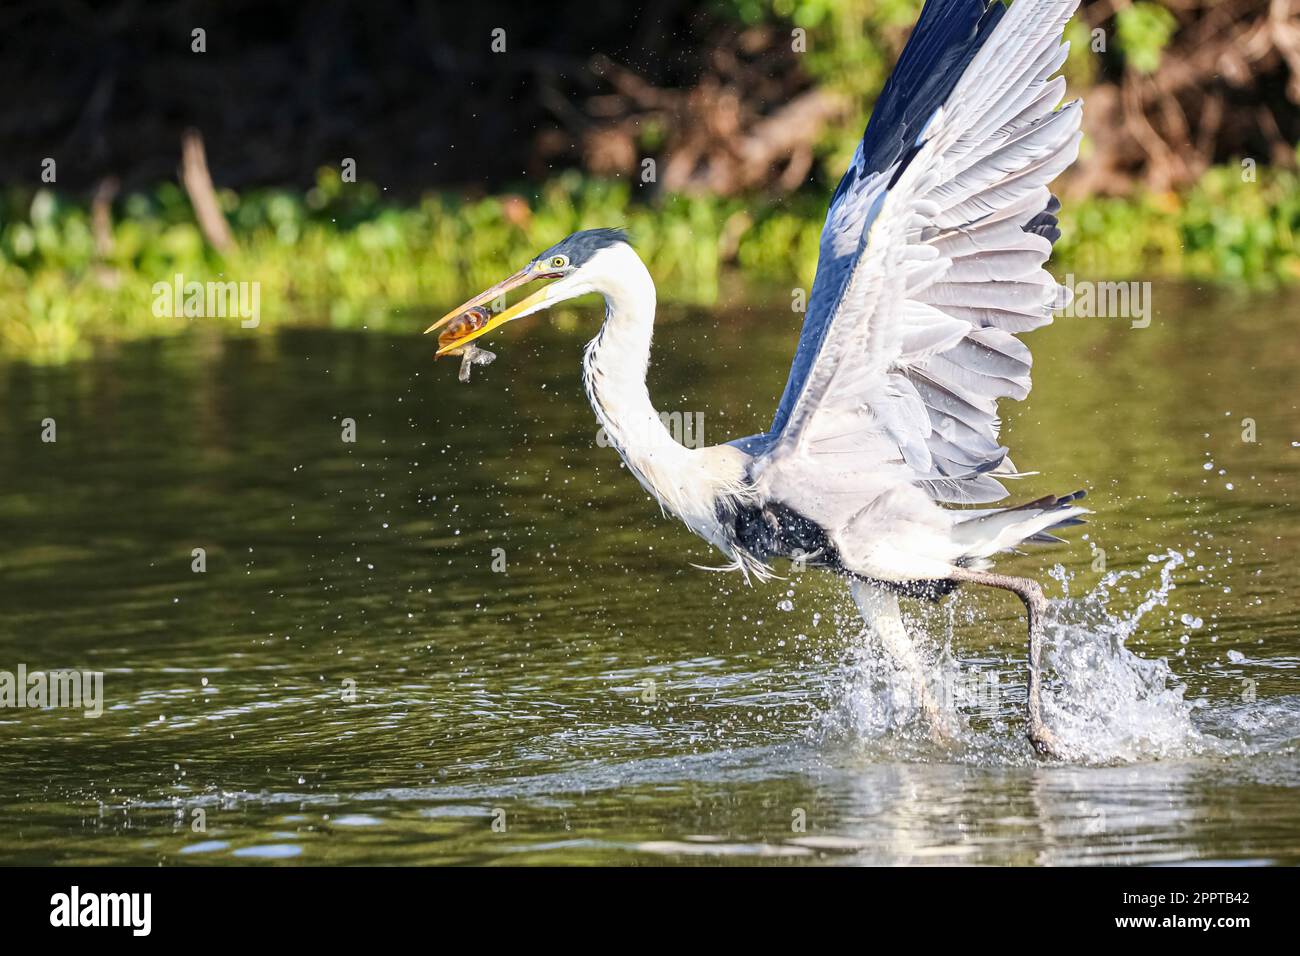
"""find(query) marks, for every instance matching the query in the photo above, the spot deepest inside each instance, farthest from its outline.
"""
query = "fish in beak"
(467, 328)
(455, 335)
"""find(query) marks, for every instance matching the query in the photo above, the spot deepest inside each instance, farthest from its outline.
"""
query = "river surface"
(469, 637)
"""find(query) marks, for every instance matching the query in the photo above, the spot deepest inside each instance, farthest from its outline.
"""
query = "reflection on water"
(468, 636)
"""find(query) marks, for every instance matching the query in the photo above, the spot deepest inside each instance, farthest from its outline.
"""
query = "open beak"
(526, 306)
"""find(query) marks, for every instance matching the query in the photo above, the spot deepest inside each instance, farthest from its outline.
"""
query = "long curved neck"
(696, 485)
(615, 368)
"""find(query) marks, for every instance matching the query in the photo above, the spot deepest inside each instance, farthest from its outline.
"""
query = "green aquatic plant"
(346, 256)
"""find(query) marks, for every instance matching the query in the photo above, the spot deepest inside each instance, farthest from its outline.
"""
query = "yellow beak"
(498, 320)
(525, 275)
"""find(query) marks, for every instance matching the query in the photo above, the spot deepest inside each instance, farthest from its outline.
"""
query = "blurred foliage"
(851, 47)
(1144, 30)
(1227, 227)
(853, 44)
(349, 256)
(342, 255)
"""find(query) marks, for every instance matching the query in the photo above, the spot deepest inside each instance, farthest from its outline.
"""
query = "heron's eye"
(559, 262)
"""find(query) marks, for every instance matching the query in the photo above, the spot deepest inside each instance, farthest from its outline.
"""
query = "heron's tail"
(988, 531)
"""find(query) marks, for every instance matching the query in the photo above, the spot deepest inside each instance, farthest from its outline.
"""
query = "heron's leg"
(1029, 591)
(879, 609)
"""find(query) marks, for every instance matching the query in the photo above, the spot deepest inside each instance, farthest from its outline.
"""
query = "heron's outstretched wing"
(931, 262)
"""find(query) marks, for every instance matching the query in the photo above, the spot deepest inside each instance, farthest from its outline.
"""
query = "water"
(351, 681)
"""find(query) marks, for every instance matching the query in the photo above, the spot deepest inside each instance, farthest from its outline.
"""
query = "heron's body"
(899, 536)
(931, 264)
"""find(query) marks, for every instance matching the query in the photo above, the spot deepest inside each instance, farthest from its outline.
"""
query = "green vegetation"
(1226, 228)
(1144, 30)
(341, 255)
(345, 256)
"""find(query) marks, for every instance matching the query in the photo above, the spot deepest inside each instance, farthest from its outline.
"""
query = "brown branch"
(101, 229)
(203, 197)
(101, 216)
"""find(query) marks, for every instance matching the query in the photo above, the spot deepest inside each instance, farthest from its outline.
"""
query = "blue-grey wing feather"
(947, 36)
(965, 242)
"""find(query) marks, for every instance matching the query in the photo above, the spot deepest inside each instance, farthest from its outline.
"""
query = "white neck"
(686, 482)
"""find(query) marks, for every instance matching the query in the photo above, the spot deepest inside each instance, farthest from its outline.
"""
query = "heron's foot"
(939, 725)
(1045, 742)
(937, 729)
(941, 734)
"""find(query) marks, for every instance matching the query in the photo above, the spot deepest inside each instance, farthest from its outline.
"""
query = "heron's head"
(575, 264)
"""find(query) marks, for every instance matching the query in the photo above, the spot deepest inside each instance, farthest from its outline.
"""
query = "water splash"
(1105, 703)
(882, 706)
